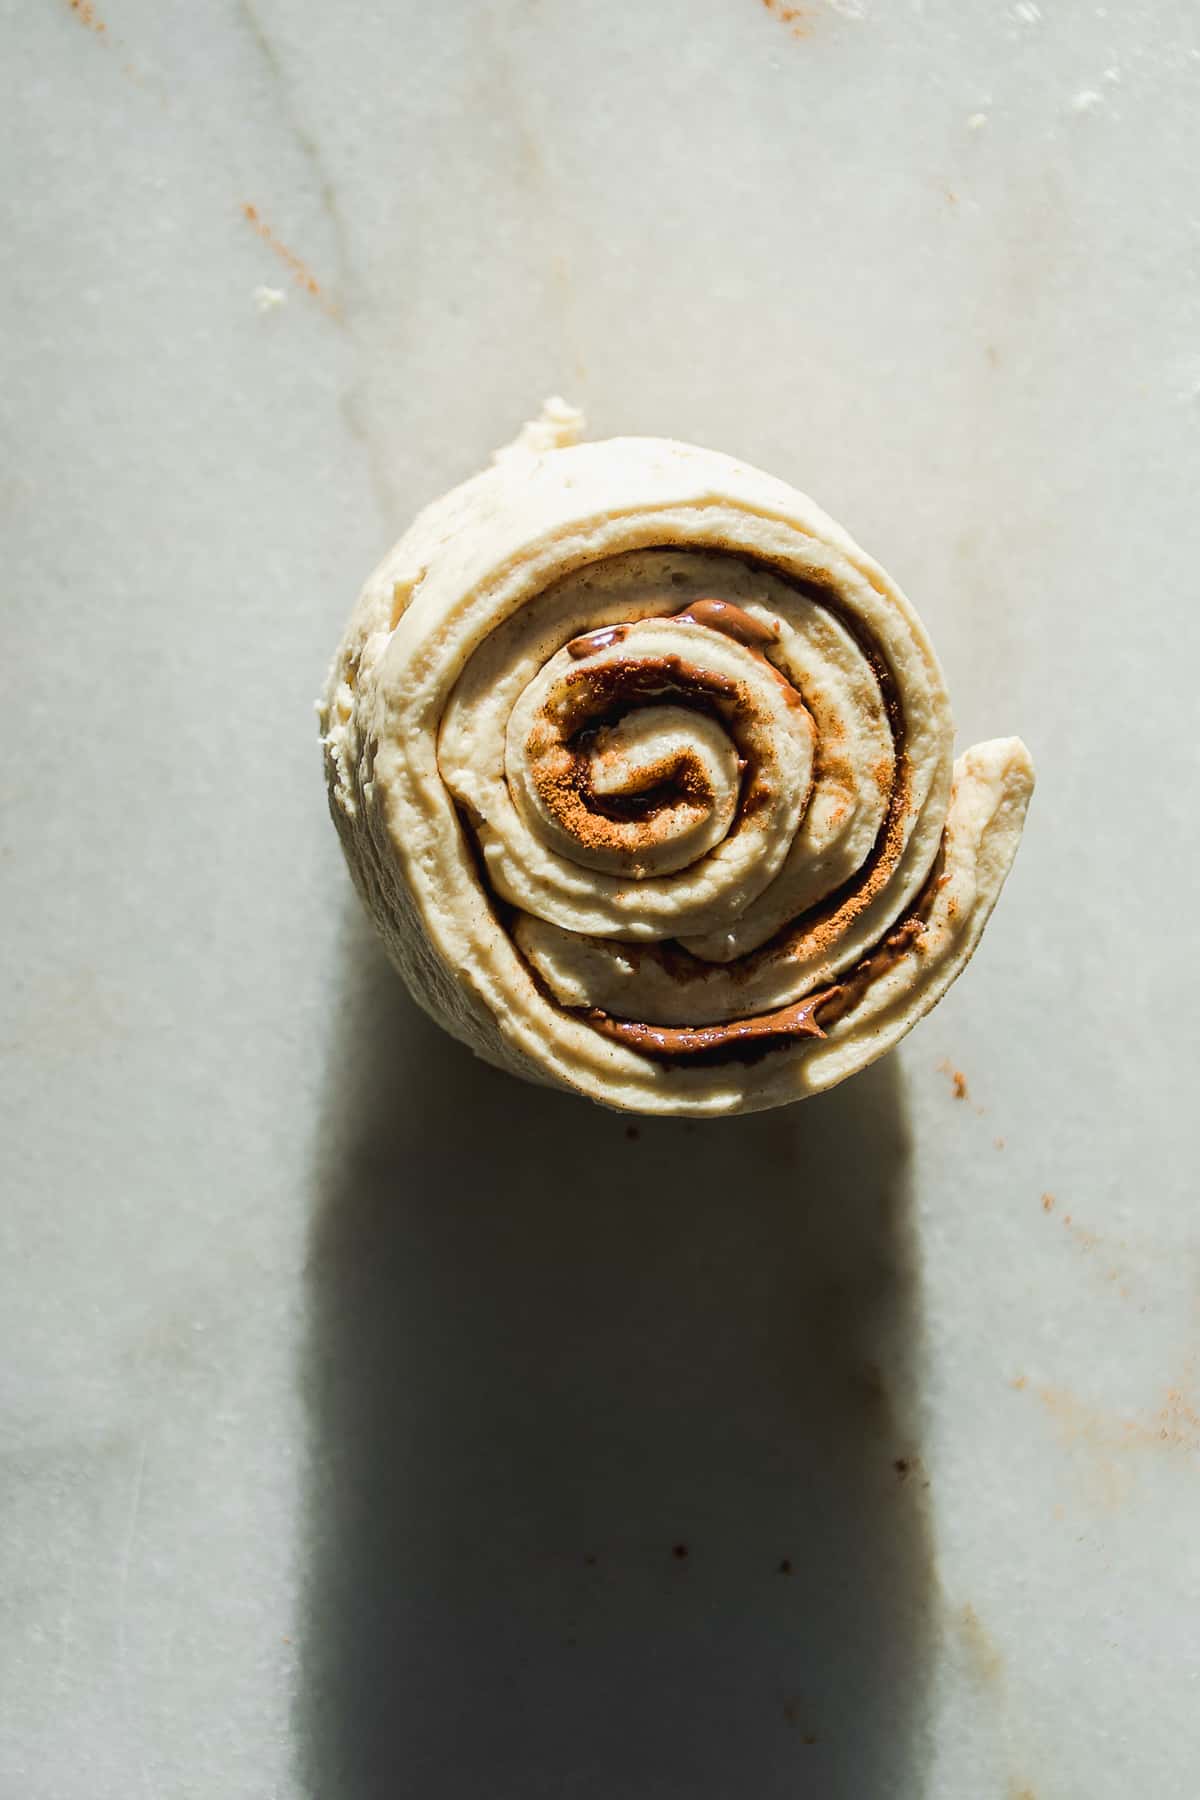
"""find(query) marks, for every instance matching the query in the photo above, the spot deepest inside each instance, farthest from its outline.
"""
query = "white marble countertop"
(354, 1398)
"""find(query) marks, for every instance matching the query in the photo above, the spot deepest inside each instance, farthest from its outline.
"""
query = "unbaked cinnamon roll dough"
(644, 771)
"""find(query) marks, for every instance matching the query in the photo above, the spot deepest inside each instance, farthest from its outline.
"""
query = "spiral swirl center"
(684, 776)
(638, 750)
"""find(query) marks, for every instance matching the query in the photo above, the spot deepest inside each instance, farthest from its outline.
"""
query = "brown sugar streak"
(796, 1020)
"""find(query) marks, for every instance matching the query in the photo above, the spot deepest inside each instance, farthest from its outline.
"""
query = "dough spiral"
(645, 773)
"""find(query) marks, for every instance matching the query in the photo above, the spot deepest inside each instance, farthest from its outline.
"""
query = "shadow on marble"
(615, 1482)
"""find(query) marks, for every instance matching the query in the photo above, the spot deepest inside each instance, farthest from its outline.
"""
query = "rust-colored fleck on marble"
(798, 19)
(957, 1079)
(87, 15)
(1113, 1442)
(301, 274)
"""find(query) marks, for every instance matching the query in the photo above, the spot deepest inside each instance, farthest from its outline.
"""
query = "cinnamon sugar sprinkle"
(629, 823)
(568, 736)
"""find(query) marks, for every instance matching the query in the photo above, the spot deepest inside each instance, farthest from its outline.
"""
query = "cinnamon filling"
(717, 615)
(797, 1020)
(604, 639)
(723, 615)
(600, 697)
(561, 751)
(562, 772)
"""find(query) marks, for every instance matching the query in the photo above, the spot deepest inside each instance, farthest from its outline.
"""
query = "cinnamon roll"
(645, 773)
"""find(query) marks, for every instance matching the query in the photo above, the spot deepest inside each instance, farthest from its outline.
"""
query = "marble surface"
(355, 1399)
